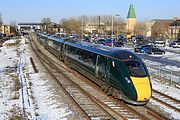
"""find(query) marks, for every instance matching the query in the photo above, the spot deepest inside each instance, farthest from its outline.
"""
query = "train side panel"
(120, 79)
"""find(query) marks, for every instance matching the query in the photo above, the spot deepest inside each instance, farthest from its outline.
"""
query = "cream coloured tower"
(131, 20)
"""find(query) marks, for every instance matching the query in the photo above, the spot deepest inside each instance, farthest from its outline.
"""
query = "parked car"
(160, 43)
(154, 50)
(176, 44)
(109, 42)
(144, 49)
(152, 43)
(101, 41)
(139, 48)
(118, 44)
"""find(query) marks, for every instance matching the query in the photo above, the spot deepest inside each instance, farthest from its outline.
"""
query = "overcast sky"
(35, 10)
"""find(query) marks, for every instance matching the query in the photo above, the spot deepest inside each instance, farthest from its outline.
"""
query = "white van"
(160, 43)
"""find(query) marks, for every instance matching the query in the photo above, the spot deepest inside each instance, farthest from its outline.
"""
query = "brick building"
(174, 30)
(7, 29)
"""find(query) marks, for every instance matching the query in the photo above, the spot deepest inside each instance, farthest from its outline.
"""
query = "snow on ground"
(169, 55)
(172, 114)
(173, 68)
(48, 101)
(171, 48)
(166, 88)
(9, 85)
(42, 100)
(10, 41)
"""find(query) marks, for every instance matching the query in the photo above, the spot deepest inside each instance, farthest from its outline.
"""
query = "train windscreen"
(136, 69)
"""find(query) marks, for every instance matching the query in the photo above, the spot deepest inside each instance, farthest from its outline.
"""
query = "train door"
(100, 70)
(45, 41)
(97, 66)
(113, 72)
(64, 53)
(108, 69)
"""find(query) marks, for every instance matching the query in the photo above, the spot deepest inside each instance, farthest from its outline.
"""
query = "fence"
(161, 72)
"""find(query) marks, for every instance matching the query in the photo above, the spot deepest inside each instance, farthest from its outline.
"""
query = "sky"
(36, 10)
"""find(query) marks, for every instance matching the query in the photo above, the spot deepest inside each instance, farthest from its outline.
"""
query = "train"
(118, 72)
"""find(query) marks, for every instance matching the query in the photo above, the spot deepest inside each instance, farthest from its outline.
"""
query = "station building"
(29, 26)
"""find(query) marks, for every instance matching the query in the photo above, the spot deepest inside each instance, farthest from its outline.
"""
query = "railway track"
(84, 103)
(166, 100)
(113, 108)
(25, 101)
(21, 79)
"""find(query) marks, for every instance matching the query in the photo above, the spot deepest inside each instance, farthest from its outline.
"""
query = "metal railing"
(164, 73)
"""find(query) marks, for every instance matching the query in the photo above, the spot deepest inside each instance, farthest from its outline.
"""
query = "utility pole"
(99, 25)
(117, 26)
(82, 28)
(1, 22)
(112, 31)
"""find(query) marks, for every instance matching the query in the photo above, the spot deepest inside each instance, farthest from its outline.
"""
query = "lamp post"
(117, 26)
(99, 32)
(82, 28)
(112, 31)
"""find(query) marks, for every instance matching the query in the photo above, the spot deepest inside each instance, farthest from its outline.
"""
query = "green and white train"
(119, 72)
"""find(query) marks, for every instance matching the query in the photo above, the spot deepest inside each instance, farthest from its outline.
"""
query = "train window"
(136, 69)
(86, 58)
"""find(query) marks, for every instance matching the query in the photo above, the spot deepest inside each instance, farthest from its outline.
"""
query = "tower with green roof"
(131, 12)
(131, 20)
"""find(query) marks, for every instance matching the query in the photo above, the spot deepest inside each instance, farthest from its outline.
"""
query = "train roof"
(100, 49)
(117, 53)
(55, 39)
(124, 55)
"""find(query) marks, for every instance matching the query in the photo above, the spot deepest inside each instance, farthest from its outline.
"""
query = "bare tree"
(71, 25)
(140, 29)
(13, 23)
(13, 26)
(101, 23)
(119, 24)
(46, 22)
(160, 29)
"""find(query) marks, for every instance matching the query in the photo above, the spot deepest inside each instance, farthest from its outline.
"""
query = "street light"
(117, 25)
(112, 32)
(82, 32)
(113, 29)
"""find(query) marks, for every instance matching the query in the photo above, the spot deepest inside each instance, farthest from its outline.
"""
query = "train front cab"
(141, 80)
(132, 79)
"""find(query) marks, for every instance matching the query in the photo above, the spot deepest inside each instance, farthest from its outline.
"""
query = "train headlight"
(128, 80)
